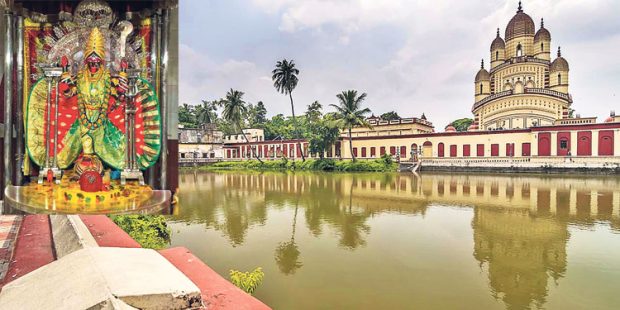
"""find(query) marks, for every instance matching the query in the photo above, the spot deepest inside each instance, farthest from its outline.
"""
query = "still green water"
(399, 241)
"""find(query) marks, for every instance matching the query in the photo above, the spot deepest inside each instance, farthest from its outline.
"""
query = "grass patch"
(383, 164)
(150, 231)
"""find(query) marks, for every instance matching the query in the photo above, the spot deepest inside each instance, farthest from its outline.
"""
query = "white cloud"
(431, 66)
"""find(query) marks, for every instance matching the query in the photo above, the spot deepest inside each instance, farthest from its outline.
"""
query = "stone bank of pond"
(397, 241)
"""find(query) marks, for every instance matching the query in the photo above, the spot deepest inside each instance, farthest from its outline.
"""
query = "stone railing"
(491, 97)
(549, 92)
(610, 162)
(539, 91)
(522, 59)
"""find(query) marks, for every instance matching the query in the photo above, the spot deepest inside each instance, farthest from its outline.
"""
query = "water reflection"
(521, 253)
(520, 224)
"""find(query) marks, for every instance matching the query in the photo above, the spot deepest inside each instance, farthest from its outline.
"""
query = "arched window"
(519, 50)
(559, 79)
(480, 88)
(496, 55)
(541, 47)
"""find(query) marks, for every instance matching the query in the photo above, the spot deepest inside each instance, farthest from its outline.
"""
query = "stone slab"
(70, 234)
(95, 277)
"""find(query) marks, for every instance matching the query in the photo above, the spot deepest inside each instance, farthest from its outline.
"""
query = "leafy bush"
(150, 231)
(385, 163)
(247, 281)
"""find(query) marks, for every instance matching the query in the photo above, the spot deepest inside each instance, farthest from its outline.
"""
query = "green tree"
(462, 124)
(349, 111)
(390, 116)
(261, 114)
(234, 109)
(323, 134)
(186, 116)
(206, 113)
(285, 80)
(314, 113)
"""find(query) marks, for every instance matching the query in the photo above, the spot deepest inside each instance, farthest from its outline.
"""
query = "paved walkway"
(9, 227)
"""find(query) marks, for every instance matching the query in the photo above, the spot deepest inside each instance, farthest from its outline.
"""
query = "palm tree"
(285, 80)
(204, 113)
(234, 108)
(350, 112)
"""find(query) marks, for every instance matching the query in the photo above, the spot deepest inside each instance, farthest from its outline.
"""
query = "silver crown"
(93, 13)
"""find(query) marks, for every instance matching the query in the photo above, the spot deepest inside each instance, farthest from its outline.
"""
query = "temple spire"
(482, 63)
(498, 32)
(520, 8)
(559, 52)
(542, 23)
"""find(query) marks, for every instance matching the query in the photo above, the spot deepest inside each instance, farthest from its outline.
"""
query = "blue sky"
(409, 56)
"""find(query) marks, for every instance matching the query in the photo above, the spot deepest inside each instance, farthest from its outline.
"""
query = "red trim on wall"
(494, 149)
(606, 143)
(510, 149)
(544, 144)
(584, 143)
(466, 150)
(480, 150)
(526, 149)
(563, 136)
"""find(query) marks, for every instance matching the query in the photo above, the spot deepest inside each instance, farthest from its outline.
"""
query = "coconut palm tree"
(234, 108)
(285, 80)
(349, 111)
(205, 113)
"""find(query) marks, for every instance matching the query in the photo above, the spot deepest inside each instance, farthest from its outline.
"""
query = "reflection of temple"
(129, 49)
(520, 253)
(520, 223)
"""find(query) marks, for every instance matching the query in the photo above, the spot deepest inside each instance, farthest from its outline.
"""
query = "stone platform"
(87, 261)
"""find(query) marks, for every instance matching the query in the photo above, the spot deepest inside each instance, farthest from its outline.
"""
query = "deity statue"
(91, 115)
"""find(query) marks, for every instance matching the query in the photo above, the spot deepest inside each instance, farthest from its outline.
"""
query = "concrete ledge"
(70, 234)
(217, 292)
(100, 278)
(106, 233)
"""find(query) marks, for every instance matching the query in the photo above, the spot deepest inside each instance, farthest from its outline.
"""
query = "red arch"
(544, 144)
(584, 143)
(606, 143)
(440, 149)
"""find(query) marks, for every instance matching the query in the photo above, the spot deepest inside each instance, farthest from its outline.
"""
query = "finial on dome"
(520, 8)
(559, 52)
(542, 23)
(482, 63)
(498, 32)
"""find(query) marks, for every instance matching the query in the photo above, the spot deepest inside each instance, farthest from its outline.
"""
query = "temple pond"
(400, 241)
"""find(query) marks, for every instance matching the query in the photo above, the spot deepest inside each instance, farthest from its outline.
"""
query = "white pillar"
(595, 143)
(554, 143)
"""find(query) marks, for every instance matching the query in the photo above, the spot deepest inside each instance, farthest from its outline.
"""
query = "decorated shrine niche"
(89, 90)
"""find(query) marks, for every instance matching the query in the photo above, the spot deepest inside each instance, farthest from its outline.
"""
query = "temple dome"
(520, 25)
(559, 64)
(450, 128)
(483, 74)
(542, 33)
(498, 42)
